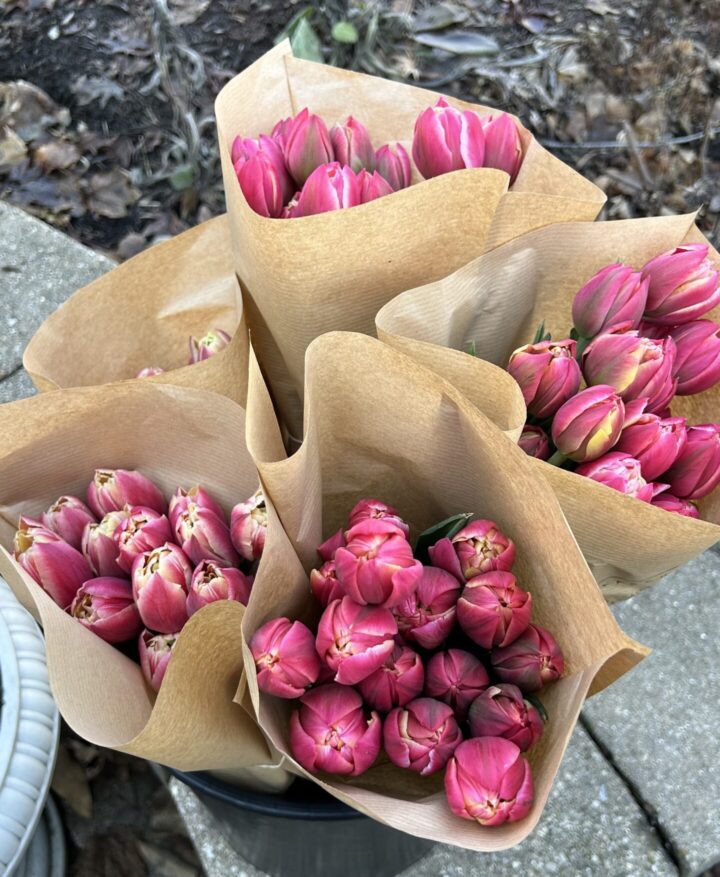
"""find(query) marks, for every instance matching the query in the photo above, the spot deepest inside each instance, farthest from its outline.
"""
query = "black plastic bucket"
(304, 832)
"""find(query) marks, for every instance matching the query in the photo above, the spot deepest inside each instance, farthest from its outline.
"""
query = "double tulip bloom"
(614, 299)
(211, 582)
(493, 610)
(248, 527)
(160, 580)
(68, 516)
(203, 348)
(105, 605)
(683, 285)
(285, 657)
(155, 652)
(100, 545)
(697, 356)
(547, 373)
(534, 659)
(502, 711)
(421, 736)
(619, 471)
(113, 489)
(589, 424)
(399, 680)
(455, 677)
(142, 530)
(479, 547)
(534, 441)
(696, 471)
(428, 615)
(655, 442)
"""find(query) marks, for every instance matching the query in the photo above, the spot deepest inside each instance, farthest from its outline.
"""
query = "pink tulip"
(654, 442)
(503, 147)
(100, 547)
(265, 184)
(355, 640)
(671, 503)
(329, 187)
(307, 145)
(635, 367)
(285, 657)
(211, 343)
(589, 424)
(351, 145)
(534, 441)
(683, 285)
(325, 585)
(202, 535)
(373, 186)
(493, 610)
(330, 732)
(188, 500)
(456, 678)
(330, 546)
(56, 566)
(160, 581)
(142, 530)
(696, 471)
(67, 517)
(244, 149)
(394, 166)
(150, 371)
(211, 582)
(481, 546)
(377, 566)
(399, 680)
(106, 607)
(428, 615)
(113, 489)
(421, 736)
(619, 471)
(534, 659)
(248, 526)
(155, 653)
(697, 356)
(613, 299)
(501, 711)
(547, 374)
(446, 139)
(489, 781)
(375, 508)
(281, 130)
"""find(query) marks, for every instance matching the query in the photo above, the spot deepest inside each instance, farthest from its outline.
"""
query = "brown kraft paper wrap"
(379, 425)
(497, 302)
(142, 313)
(178, 437)
(304, 277)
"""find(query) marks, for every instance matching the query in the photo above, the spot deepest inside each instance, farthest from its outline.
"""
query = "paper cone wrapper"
(379, 425)
(142, 313)
(304, 277)
(177, 437)
(497, 302)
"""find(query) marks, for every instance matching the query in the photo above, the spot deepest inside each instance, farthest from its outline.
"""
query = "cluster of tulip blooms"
(127, 564)
(302, 168)
(637, 342)
(200, 349)
(444, 651)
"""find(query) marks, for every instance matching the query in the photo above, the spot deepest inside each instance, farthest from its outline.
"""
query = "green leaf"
(539, 333)
(344, 32)
(574, 334)
(538, 704)
(305, 42)
(471, 349)
(183, 177)
(447, 528)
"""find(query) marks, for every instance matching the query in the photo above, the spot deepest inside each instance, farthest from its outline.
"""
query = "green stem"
(582, 343)
(557, 459)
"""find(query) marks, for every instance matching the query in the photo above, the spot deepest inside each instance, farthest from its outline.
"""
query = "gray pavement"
(650, 754)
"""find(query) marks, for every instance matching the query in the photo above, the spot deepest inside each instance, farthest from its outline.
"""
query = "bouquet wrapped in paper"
(642, 295)
(313, 273)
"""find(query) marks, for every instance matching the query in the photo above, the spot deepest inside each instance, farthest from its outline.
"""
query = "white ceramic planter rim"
(29, 729)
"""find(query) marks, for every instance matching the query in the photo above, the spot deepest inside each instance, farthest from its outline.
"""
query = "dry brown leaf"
(110, 194)
(57, 155)
(70, 783)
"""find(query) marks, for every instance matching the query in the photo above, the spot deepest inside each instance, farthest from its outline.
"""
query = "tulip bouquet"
(203, 348)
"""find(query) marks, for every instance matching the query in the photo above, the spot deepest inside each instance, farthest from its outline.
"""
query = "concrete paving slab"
(17, 386)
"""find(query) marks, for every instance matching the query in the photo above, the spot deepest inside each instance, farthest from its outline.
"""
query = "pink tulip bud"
(696, 471)
(329, 187)
(394, 166)
(285, 657)
(67, 517)
(210, 344)
(352, 145)
(446, 139)
(142, 530)
(160, 581)
(421, 736)
(150, 371)
(635, 367)
(493, 610)
(683, 285)
(547, 374)
(281, 130)
(330, 732)
(330, 546)
(56, 566)
(534, 659)
(105, 605)
(377, 565)
(248, 526)
(697, 356)
(613, 299)
(654, 442)
(265, 186)
(535, 442)
(399, 680)
(203, 535)
(375, 508)
(155, 653)
(325, 585)
(671, 503)
(211, 582)
(481, 546)
(456, 678)
(589, 424)
(113, 489)
(373, 186)
(187, 500)
(245, 149)
(100, 547)
(355, 640)
(428, 615)
(619, 471)
(489, 780)
(503, 147)
(307, 145)
(501, 711)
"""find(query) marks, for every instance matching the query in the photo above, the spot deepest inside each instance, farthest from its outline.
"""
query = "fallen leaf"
(110, 194)
(439, 16)
(96, 88)
(70, 783)
(57, 155)
(187, 11)
(600, 7)
(12, 148)
(459, 42)
(28, 110)
(305, 42)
